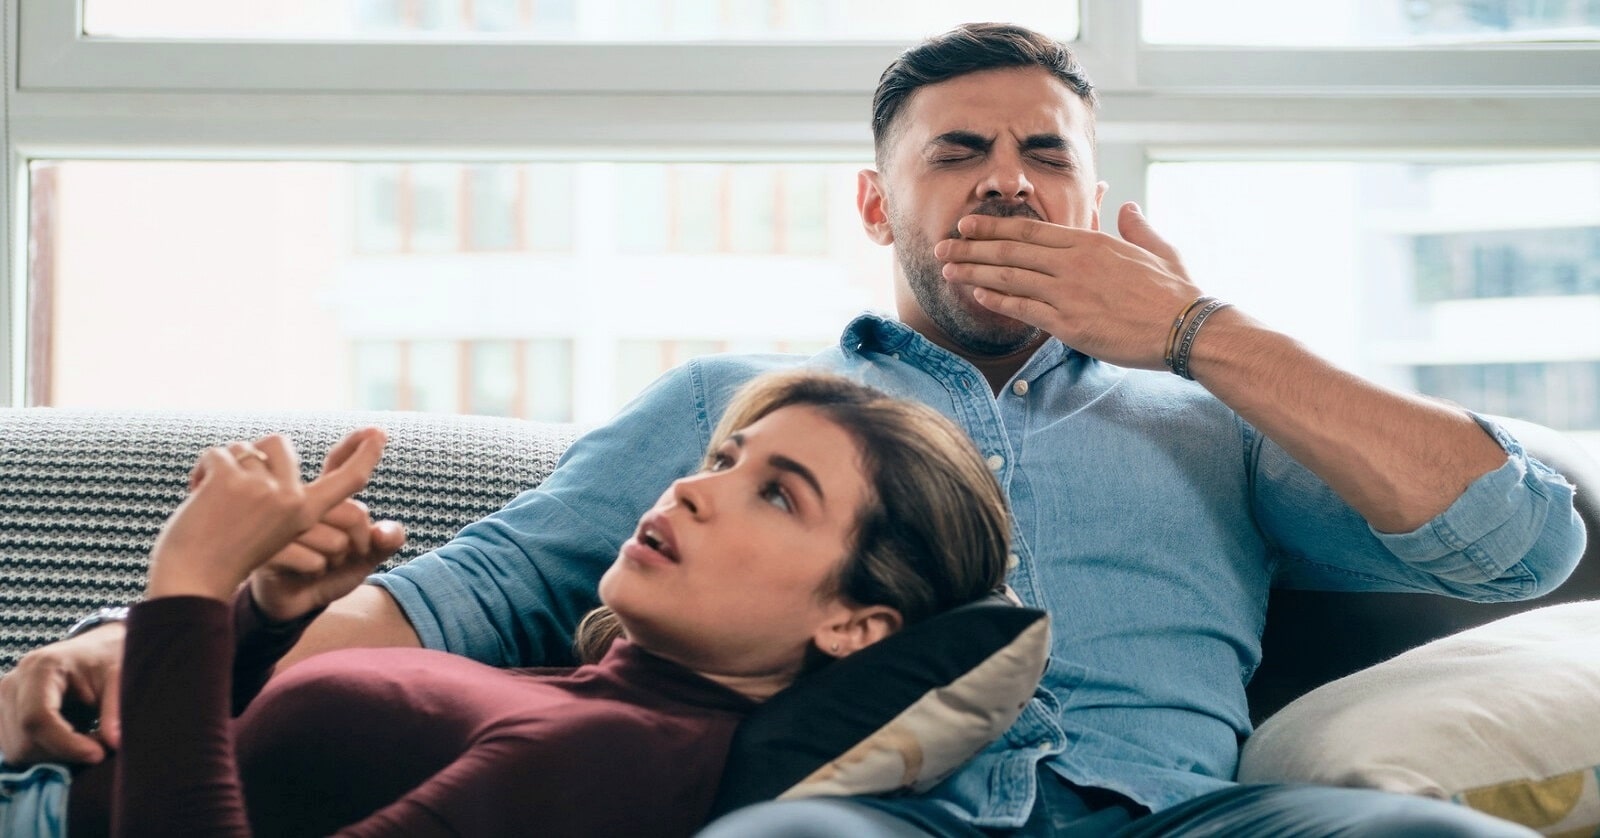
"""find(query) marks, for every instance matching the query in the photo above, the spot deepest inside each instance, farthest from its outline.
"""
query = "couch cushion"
(1504, 718)
(86, 491)
(901, 714)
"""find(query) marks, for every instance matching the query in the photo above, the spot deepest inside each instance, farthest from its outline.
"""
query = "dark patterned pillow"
(900, 715)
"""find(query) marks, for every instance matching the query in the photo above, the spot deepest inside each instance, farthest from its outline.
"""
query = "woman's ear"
(856, 629)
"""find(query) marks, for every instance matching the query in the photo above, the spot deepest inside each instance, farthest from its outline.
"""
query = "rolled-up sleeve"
(1513, 533)
(509, 589)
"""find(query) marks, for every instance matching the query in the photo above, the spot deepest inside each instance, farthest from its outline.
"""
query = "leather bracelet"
(1177, 326)
(1180, 358)
(109, 614)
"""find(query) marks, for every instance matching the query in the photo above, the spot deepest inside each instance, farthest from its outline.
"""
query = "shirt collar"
(870, 332)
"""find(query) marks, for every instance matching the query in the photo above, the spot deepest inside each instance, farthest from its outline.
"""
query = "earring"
(834, 647)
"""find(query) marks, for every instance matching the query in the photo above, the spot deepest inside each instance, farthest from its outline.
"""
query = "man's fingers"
(110, 731)
(387, 538)
(1008, 280)
(348, 476)
(1006, 252)
(310, 553)
(1019, 229)
(1023, 309)
(51, 735)
(1136, 230)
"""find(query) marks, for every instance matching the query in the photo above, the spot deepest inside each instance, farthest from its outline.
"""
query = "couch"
(83, 494)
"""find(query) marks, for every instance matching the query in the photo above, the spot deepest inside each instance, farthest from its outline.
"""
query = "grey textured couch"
(82, 495)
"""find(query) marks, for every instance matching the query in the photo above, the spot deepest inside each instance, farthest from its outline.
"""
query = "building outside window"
(1393, 190)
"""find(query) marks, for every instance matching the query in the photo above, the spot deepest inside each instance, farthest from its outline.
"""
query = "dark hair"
(969, 48)
(933, 533)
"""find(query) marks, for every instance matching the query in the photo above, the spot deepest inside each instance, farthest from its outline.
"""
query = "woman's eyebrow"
(782, 463)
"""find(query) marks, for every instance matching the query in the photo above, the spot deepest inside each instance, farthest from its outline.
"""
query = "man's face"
(997, 142)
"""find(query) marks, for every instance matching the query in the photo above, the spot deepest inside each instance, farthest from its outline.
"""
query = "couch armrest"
(1313, 637)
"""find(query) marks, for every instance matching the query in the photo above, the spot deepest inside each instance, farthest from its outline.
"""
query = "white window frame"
(66, 95)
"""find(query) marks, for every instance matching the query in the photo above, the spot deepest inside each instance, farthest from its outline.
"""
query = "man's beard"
(981, 332)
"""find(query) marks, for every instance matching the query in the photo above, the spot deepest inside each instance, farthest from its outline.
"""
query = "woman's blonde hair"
(933, 533)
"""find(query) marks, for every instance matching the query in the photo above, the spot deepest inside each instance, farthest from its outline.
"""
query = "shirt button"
(996, 462)
(1020, 388)
(1012, 561)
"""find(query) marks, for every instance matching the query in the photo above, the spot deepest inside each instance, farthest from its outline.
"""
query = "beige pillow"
(1504, 718)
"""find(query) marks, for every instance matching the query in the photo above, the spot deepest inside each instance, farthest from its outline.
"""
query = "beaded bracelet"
(1180, 358)
(1177, 325)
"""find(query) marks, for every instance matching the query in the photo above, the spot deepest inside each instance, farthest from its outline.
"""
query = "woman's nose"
(693, 494)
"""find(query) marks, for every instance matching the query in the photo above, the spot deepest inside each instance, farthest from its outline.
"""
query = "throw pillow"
(1504, 718)
(901, 714)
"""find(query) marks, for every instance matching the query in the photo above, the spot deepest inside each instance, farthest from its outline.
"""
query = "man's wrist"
(109, 614)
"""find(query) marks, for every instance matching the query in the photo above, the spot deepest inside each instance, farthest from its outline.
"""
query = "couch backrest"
(1313, 637)
(83, 493)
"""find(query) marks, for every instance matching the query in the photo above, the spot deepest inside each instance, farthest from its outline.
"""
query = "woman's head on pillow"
(825, 516)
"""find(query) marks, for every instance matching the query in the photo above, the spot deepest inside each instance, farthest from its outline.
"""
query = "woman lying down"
(826, 516)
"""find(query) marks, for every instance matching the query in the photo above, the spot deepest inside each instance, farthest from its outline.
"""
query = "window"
(533, 205)
(608, 20)
(1332, 22)
(1413, 273)
(443, 296)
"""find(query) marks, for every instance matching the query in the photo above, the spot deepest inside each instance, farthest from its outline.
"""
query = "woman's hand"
(246, 503)
(331, 558)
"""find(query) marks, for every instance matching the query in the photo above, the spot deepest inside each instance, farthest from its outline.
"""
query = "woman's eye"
(773, 493)
(718, 462)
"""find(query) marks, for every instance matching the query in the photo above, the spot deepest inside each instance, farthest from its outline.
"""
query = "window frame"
(67, 95)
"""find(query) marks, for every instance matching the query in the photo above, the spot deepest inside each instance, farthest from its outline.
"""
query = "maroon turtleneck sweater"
(404, 741)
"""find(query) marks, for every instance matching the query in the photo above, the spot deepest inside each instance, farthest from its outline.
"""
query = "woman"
(826, 516)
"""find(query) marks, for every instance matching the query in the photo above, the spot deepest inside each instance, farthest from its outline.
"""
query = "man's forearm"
(365, 617)
(1398, 459)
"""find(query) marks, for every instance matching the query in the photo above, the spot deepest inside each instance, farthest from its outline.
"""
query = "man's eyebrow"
(965, 139)
(783, 463)
(1046, 142)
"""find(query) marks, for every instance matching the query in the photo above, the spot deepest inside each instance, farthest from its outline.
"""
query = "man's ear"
(873, 204)
(857, 628)
(1099, 199)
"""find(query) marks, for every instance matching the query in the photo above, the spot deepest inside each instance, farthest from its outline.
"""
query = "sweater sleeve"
(260, 644)
(176, 773)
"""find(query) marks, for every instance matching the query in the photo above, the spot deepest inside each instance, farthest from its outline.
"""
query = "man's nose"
(1005, 180)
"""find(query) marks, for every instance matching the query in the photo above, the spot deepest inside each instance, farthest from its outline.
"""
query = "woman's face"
(723, 575)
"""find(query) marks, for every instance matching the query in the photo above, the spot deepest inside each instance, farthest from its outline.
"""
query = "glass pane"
(377, 369)
(548, 365)
(435, 376)
(547, 211)
(495, 378)
(435, 203)
(752, 209)
(591, 20)
(329, 286)
(1478, 283)
(496, 204)
(1369, 22)
(379, 201)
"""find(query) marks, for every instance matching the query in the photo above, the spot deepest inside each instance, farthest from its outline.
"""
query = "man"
(1152, 513)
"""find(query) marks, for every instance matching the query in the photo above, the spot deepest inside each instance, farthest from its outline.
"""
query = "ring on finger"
(248, 453)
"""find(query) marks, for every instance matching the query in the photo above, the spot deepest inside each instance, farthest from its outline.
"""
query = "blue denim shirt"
(1150, 520)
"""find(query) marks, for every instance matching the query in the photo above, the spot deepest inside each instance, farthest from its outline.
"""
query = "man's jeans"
(33, 801)
(1270, 811)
